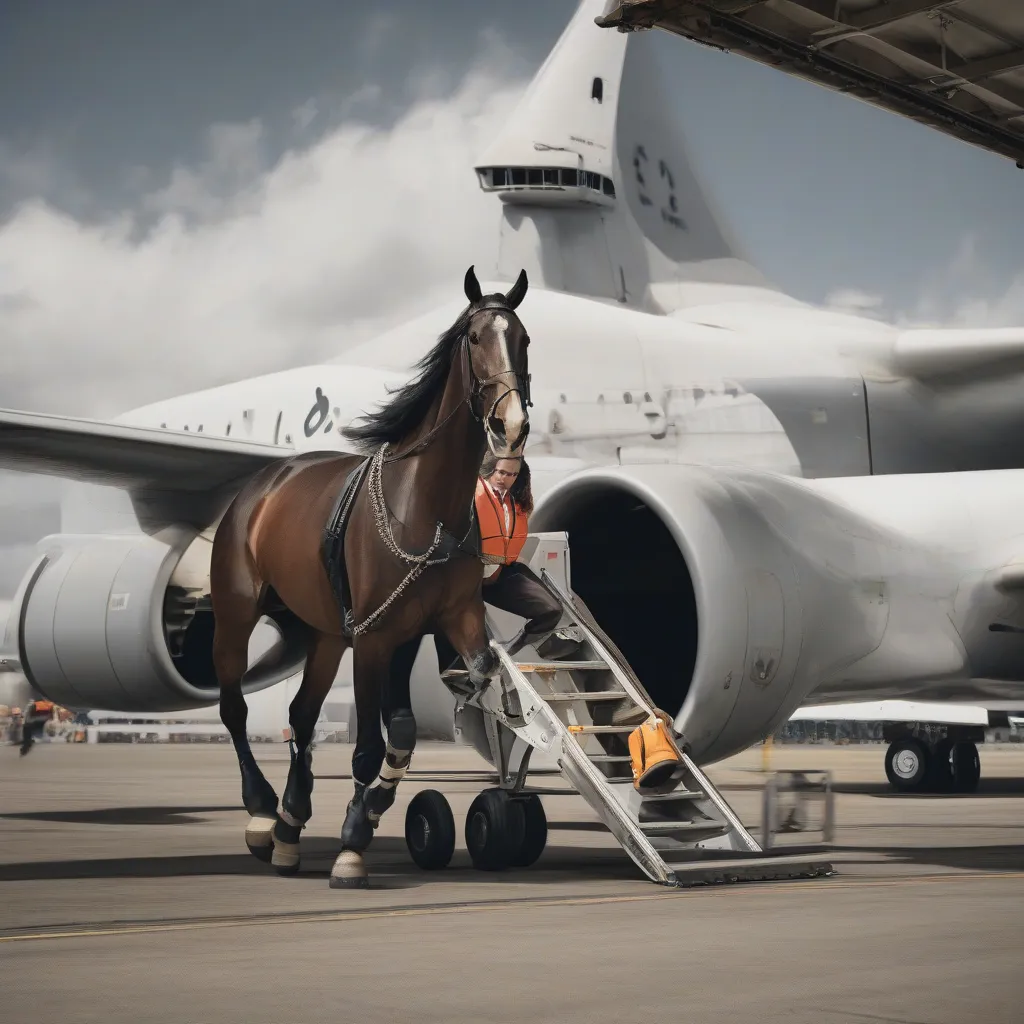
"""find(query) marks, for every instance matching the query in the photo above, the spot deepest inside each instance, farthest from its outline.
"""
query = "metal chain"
(375, 488)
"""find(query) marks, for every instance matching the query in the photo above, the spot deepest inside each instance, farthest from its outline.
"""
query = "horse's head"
(498, 357)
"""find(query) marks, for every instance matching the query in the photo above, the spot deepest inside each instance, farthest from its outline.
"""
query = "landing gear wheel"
(940, 768)
(906, 764)
(495, 830)
(966, 767)
(535, 833)
(430, 830)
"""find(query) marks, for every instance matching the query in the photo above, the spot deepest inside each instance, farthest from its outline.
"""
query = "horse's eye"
(474, 339)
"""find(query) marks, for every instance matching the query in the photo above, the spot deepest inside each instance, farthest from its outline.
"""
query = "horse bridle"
(475, 390)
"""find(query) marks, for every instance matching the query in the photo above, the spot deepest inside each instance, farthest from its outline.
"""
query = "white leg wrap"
(388, 774)
(286, 855)
(260, 831)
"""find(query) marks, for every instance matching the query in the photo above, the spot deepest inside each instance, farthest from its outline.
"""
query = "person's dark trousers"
(517, 589)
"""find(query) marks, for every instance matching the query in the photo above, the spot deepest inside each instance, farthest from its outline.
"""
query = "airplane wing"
(125, 456)
(959, 355)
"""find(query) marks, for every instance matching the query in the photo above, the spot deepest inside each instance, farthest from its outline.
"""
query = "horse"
(369, 551)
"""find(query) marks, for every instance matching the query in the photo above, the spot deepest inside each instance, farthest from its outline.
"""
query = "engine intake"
(698, 577)
(125, 623)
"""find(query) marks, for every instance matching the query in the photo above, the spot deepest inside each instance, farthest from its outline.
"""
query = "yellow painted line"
(319, 917)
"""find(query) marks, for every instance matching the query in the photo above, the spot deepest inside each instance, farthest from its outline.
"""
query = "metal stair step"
(740, 868)
(708, 828)
(560, 666)
(580, 695)
(590, 730)
(610, 759)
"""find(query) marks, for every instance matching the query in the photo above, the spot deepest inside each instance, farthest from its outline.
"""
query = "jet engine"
(732, 594)
(125, 623)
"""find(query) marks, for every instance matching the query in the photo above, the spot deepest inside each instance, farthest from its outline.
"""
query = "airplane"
(769, 505)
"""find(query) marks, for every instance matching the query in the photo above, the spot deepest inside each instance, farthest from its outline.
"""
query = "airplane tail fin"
(599, 195)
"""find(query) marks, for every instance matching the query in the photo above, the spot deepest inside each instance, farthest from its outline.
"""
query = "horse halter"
(522, 381)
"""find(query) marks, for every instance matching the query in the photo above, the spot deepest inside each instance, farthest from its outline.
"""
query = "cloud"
(247, 263)
(970, 291)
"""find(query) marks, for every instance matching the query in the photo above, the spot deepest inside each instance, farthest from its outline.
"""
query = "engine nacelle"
(125, 623)
(699, 577)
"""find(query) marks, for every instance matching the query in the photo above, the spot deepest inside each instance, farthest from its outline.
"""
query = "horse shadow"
(388, 859)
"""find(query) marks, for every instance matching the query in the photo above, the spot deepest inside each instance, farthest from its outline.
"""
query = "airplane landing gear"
(947, 765)
(906, 764)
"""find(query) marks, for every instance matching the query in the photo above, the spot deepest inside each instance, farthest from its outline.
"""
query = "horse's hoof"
(285, 858)
(349, 871)
(259, 837)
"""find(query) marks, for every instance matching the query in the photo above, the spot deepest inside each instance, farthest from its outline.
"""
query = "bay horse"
(369, 552)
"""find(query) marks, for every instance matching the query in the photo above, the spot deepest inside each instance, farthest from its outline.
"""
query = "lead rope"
(375, 487)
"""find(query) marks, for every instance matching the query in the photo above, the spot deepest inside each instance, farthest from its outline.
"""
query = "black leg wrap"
(285, 833)
(357, 832)
(297, 804)
(401, 733)
(258, 795)
(378, 799)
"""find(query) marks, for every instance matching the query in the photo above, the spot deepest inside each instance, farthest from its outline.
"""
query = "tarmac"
(127, 894)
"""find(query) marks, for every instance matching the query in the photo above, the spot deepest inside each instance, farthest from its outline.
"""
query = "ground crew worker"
(504, 501)
(37, 714)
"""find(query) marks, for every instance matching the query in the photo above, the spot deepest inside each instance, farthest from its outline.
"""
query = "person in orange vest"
(504, 501)
(37, 714)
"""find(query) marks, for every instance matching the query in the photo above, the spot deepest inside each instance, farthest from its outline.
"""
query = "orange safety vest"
(496, 544)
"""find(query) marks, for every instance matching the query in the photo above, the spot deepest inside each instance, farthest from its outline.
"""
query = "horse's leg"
(371, 660)
(465, 631)
(230, 660)
(325, 653)
(401, 732)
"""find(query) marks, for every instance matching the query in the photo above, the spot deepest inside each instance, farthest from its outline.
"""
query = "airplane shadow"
(999, 787)
(966, 858)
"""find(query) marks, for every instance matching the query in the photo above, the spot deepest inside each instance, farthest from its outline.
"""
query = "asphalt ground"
(127, 894)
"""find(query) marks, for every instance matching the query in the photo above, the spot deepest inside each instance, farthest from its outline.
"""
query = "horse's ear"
(472, 286)
(518, 292)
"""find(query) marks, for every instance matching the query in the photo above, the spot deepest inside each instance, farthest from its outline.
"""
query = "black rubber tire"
(940, 767)
(915, 759)
(495, 830)
(430, 830)
(535, 834)
(966, 767)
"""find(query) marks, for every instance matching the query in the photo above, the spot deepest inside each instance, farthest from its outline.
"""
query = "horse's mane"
(396, 420)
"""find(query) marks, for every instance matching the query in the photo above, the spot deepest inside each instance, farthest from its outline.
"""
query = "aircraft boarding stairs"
(577, 716)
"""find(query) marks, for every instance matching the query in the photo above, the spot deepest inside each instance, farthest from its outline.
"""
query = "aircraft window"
(227, 433)
(569, 177)
(627, 398)
(608, 186)
(597, 90)
(277, 427)
(163, 426)
(518, 175)
(534, 177)
(551, 177)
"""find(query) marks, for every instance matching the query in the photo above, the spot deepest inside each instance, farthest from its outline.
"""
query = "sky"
(191, 194)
